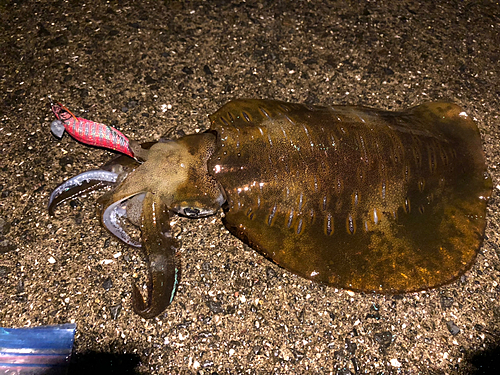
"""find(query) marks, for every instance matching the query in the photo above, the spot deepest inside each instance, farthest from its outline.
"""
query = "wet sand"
(158, 68)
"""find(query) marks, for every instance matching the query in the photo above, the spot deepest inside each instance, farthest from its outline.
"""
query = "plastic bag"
(34, 351)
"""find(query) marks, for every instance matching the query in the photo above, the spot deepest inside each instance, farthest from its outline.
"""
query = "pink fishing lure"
(89, 132)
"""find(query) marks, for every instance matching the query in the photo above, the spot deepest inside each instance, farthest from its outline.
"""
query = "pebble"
(344, 371)
(115, 311)
(270, 273)
(452, 327)
(215, 307)
(384, 339)
(207, 364)
(107, 284)
(395, 363)
(350, 346)
(6, 246)
(446, 302)
(4, 271)
(207, 70)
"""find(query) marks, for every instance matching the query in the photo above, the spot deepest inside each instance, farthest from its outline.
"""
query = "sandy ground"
(153, 68)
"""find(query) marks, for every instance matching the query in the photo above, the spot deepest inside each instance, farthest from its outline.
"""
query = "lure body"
(89, 132)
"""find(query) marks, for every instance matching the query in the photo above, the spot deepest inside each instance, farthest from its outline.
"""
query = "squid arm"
(159, 248)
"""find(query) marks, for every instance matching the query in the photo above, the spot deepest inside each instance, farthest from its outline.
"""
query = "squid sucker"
(348, 196)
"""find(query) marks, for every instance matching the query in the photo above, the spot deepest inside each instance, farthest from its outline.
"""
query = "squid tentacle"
(159, 248)
(111, 220)
(84, 182)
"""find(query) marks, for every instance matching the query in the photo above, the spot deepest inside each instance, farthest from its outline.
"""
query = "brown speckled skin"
(354, 197)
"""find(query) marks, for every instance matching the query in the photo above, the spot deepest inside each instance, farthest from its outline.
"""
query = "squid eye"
(191, 212)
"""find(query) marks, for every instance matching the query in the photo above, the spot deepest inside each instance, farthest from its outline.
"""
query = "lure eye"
(191, 212)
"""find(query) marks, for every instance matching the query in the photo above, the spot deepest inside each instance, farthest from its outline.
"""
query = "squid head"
(171, 176)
